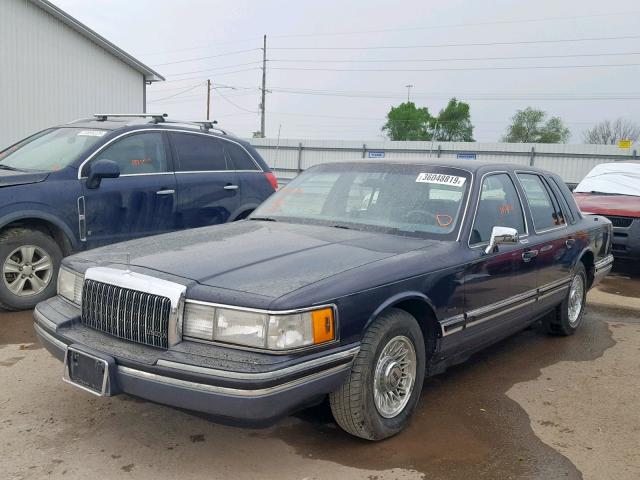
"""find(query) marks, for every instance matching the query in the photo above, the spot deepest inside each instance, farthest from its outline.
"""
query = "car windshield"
(398, 198)
(612, 179)
(51, 149)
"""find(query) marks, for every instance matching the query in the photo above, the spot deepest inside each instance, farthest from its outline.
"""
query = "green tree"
(407, 122)
(529, 126)
(454, 123)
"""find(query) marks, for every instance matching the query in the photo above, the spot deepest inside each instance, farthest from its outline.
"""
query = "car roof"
(473, 166)
(135, 123)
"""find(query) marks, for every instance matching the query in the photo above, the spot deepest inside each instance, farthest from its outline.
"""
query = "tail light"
(272, 180)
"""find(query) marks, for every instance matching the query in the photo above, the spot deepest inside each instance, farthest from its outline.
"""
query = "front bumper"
(259, 390)
(626, 240)
(602, 269)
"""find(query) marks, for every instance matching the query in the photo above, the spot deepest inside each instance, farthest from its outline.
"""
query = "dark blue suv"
(113, 178)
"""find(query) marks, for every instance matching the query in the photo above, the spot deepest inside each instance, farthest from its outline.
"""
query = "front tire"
(29, 263)
(382, 390)
(568, 316)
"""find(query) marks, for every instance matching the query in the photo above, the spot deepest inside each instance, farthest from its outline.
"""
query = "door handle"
(165, 192)
(231, 187)
(570, 242)
(529, 255)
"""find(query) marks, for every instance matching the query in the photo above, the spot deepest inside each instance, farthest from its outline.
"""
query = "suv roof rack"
(205, 125)
(157, 117)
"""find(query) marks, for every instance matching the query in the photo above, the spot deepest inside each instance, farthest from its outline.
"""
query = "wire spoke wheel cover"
(576, 299)
(27, 270)
(394, 376)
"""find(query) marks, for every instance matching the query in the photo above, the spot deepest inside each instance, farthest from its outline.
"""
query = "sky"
(335, 68)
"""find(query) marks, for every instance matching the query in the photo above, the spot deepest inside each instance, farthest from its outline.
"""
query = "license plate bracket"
(88, 371)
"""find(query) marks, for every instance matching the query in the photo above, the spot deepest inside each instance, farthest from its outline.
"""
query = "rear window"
(198, 153)
(238, 157)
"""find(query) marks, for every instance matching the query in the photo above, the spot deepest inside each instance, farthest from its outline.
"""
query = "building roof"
(150, 75)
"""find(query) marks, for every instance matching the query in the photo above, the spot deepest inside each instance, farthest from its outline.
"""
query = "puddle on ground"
(465, 426)
(17, 328)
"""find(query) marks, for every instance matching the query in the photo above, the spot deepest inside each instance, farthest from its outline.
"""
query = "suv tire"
(379, 368)
(29, 263)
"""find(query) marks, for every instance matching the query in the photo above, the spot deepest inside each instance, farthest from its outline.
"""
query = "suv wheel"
(29, 260)
(383, 387)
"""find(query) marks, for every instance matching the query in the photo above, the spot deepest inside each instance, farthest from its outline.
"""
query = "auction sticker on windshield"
(441, 179)
(92, 133)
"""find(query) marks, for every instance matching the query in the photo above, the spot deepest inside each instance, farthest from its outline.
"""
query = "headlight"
(258, 330)
(70, 285)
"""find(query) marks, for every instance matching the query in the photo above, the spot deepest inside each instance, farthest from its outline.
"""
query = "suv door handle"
(231, 187)
(165, 192)
(529, 255)
(570, 242)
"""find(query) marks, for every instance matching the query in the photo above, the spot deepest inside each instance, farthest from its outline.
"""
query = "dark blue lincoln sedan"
(356, 281)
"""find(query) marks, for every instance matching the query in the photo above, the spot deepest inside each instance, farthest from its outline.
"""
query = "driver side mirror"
(100, 169)
(501, 236)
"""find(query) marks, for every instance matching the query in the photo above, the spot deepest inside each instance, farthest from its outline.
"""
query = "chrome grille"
(622, 222)
(124, 313)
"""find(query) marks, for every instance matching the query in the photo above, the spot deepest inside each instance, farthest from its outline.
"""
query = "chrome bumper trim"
(352, 352)
(604, 263)
(177, 383)
(50, 338)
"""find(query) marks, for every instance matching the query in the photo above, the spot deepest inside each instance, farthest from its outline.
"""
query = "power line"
(454, 59)
(236, 105)
(199, 47)
(217, 75)
(217, 68)
(477, 44)
(456, 25)
(181, 92)
(237, 52)
(452, 69)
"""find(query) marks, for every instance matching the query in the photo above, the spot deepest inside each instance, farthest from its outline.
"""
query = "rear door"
(552, 237)
(140, 202)
(500, 285)
(208, 190)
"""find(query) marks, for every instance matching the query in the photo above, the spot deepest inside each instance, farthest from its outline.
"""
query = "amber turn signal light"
(323, 330)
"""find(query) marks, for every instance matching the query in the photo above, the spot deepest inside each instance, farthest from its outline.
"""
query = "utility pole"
(264, 85)
(409, 87)
(208, 98)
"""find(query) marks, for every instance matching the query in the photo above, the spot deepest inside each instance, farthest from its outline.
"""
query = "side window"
(499, 206)
(563, 194)
(197, 153)
(239, 158)
(544, 207)
(135, 154)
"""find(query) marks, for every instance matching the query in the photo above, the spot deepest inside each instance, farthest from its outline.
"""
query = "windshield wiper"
(342, 226)
(263, 219)
(7, 167)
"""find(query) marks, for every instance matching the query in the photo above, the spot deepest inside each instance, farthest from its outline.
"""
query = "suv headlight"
(70, 285)
(259, 330)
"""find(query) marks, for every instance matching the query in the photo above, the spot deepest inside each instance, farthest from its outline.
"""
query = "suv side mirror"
(501, 236)
(100, 169)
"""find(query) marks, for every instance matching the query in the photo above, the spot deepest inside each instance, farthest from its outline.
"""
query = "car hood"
(618, 205)
(264, 258)
(9, 178)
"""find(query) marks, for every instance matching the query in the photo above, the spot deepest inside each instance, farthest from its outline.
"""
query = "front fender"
(28, 212)
(398, 298)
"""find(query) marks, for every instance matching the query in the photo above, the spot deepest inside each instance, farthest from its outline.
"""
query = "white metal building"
(54, 69)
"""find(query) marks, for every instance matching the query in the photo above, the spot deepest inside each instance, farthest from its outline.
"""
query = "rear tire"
(29, 263)
(568, 316)
(371, 404)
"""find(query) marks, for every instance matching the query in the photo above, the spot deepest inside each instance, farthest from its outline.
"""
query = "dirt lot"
(532, 407)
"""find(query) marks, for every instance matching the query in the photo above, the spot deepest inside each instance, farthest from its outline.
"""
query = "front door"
(500, 284)
(141, 202)
(208, 190)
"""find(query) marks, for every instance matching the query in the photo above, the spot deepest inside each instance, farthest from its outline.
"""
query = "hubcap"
(27, 271)
(576, 299)
(394, 376)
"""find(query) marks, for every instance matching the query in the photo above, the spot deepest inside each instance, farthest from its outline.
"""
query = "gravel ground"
(532, 407)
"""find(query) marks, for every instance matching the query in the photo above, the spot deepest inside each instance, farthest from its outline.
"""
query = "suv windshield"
(51, 149)
(406, 199)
